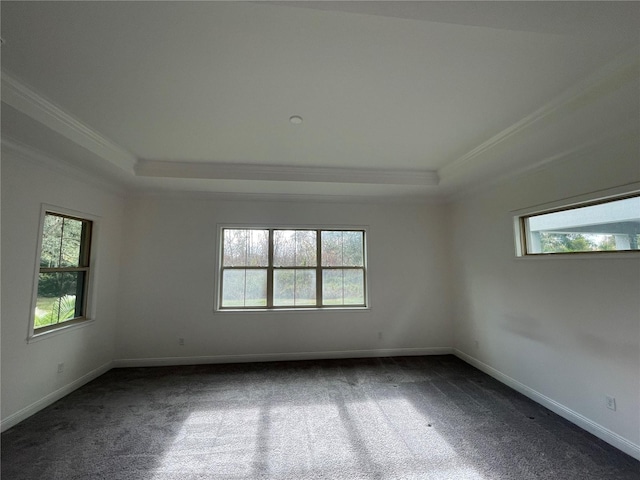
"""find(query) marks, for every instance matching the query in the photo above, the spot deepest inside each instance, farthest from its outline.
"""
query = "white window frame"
(89, 317)
(299, 308)
(519, 221)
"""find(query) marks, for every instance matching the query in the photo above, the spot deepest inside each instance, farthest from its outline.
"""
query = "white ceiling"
(399, 99)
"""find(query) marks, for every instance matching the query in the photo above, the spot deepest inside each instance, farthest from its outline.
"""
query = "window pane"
(331, 249)
(284, 248)
(60, 297)
(353, 287)
(306, 248)
(332, 292)
(245, 248)
(71, 243)
(233, 288)
(294, 248)
(353, 255)
(61, 242)
(294, 287)
(256, 290)
(51, 240)
(244, 288)
(608, 226)
(342, 249)
(342, 287)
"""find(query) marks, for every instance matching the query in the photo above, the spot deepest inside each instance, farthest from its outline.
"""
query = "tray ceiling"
(397, 98)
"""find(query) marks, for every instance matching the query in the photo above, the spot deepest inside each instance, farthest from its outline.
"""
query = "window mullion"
(270, 271)
(63, 269)
(85, 247)
(318, 268)
(61, 242)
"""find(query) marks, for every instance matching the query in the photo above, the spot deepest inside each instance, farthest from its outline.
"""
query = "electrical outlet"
(180, 341)
(611, 403)
(379, 335)
(60, 367)
(476, 343)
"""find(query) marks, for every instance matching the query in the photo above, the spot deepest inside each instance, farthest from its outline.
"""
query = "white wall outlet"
(611, 403)
(61, 367)
(180, 341)
(379, 335)
(476, 344)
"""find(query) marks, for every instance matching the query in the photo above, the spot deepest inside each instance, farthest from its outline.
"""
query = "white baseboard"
(583, 422)
(29, 410)
(278, 357)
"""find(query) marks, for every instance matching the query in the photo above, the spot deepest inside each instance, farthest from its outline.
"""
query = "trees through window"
(292, 268)
(63, 275)
(601, 226)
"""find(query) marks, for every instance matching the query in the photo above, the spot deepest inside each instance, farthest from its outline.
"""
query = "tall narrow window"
(292, 268)
(342, 268)
(295, 261)
(63, 277)
(244, 268)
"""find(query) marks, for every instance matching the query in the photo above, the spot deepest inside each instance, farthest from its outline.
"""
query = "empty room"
(320, 240)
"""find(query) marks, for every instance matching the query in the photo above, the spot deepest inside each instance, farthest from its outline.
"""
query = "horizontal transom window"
(273, 268)
(611, 225)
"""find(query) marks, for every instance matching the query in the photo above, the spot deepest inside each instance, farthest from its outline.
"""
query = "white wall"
(29, 370)
(568, 329)
(167, 286)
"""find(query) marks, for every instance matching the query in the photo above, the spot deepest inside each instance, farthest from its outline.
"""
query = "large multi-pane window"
(264, 268)
(63, 275)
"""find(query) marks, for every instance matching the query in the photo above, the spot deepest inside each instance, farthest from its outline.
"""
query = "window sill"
(626, 255)
(36, 337)
(291, 310)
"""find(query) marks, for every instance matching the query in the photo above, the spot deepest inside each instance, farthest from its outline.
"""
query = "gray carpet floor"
(389, 418)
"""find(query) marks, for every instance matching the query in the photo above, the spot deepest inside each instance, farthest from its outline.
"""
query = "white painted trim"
(54, 396)
(411, 199)
(90, 309)
(612, 438)
(281, 173)
(580, 420)
(11, 146)
(322, 310)
(279, 357)
(583, 200)
(572, 153)
(606, 194)
(623, 69)
(34, 105)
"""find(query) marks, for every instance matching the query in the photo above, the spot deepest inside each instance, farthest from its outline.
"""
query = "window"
(265, 268)
(63, 273)
(604, 226)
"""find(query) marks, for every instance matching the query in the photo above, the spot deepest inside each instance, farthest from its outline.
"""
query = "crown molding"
(25, 152)
(227, 171)
(434, 199)
(620, 71)
(584, 148)
(34, 105)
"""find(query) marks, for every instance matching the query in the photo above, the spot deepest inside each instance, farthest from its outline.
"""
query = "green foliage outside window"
(576, 242)
(64, 263)
(274, 268)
